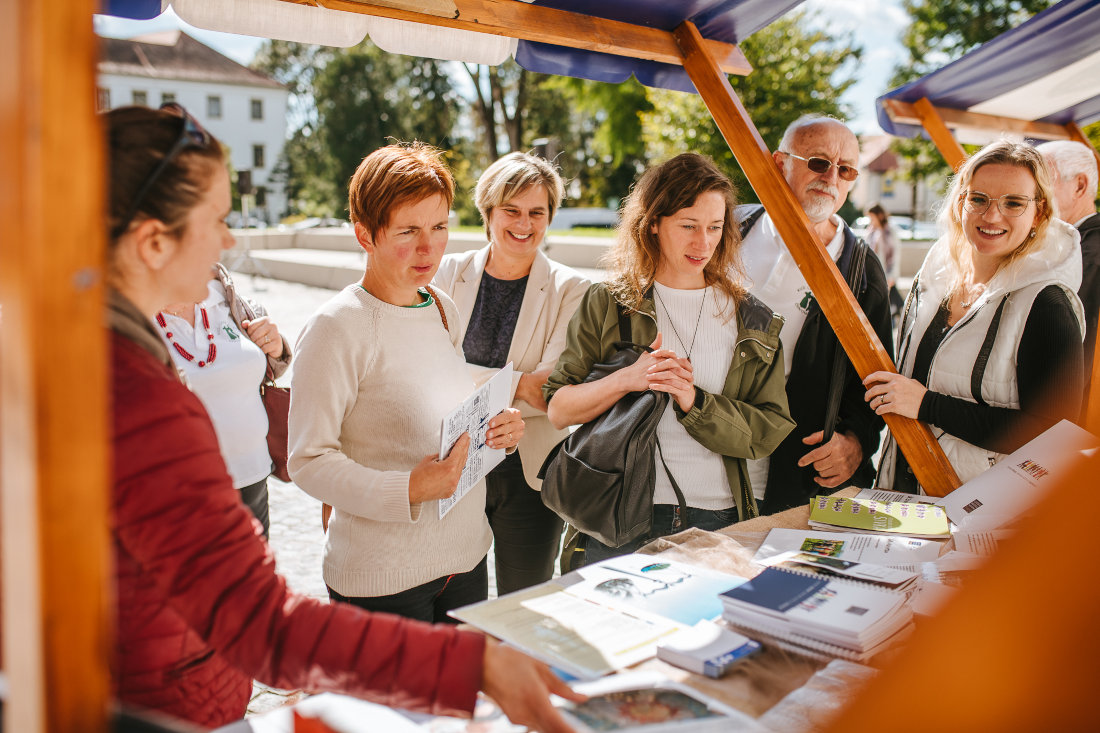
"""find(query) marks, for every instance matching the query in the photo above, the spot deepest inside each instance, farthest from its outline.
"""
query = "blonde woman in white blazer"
(515, 305)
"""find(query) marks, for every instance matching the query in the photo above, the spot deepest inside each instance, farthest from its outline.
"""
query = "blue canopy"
(727, 21)
(1046, 70)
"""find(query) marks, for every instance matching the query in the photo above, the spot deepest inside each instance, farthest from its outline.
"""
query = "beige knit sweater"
(371, 384)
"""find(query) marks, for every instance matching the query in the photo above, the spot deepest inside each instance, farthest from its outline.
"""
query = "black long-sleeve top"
(1049, 381)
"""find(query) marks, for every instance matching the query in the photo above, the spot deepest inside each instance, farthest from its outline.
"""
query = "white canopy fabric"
(726, 21)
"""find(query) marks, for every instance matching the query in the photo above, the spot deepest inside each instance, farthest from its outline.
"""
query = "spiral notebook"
(818, 616)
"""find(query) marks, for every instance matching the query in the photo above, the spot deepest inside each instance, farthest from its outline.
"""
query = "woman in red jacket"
(200, 610)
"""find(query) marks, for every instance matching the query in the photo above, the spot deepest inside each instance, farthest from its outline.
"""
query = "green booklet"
(879, 517)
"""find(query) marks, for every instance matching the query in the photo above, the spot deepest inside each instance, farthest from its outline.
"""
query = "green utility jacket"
(748, 420)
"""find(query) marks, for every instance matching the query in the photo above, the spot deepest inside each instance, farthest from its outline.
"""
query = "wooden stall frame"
(53, 372)
(938, 123)
(941, 136)
(54, 426)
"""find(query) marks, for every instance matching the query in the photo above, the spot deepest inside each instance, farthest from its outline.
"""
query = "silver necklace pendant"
(698, 320)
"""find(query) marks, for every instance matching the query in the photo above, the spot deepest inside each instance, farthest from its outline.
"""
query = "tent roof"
(727, 21)
(1046, 70)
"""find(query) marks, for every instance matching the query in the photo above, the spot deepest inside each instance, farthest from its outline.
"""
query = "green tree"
(349, 102)
(591, 130)
(798, 69)
(606, 137)
(940, 32)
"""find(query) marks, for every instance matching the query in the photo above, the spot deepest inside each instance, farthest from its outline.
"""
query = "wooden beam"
(837, 302)
(934, 125)
(524, 21)
(905, 113)
(53, 372)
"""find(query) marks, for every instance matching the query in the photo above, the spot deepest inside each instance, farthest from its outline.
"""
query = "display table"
(761, 686)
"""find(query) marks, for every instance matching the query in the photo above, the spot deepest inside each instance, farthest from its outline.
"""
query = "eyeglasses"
(821, 166)
(1012, 205)
(192, 135)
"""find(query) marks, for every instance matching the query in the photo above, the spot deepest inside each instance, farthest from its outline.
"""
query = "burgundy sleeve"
(178, 515)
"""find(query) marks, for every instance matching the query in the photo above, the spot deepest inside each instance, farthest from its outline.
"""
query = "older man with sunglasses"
(818, 157)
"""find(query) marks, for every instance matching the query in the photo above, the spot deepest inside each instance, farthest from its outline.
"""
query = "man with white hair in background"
(1073, 173)
(819, 159)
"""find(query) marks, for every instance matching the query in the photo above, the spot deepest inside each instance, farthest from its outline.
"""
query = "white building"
(244, 109)
(880, 182)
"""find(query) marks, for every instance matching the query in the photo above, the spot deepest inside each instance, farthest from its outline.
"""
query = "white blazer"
(552, 295)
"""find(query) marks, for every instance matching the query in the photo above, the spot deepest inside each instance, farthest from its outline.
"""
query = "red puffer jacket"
(200, 608)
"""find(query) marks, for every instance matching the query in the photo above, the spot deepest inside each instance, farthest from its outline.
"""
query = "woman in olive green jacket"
(716, 349)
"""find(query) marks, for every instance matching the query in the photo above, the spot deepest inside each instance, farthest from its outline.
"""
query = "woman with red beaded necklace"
(225, 347)
(199, 610)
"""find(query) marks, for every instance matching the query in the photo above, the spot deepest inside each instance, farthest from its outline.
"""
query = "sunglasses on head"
(192, 135)
(821, 166)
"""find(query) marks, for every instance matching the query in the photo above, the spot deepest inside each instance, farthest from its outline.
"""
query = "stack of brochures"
(868, 515)
(877, 575)
(817, 616)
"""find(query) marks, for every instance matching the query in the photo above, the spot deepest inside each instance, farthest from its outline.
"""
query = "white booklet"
(1002, 494)
(850, 546)
(983, 544)
(472, 417)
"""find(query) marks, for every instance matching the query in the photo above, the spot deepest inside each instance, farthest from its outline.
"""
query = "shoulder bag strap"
(978, 375)
(624, 323)
(675, 486)
(439, 307)
(749, 221)
(836, 379)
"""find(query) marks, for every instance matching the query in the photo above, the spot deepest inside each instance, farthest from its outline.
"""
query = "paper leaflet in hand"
(473, 417)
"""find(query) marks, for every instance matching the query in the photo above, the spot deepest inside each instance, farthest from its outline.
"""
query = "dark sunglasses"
(821, 166)
(192, 135)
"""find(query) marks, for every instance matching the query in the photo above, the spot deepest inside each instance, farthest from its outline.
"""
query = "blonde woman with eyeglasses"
(990, 339)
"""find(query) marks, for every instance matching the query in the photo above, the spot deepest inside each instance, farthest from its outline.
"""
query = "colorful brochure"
(868, 515)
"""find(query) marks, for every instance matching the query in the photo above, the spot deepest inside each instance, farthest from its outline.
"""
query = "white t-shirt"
(775, 279)
(698, 471)
(229, 388)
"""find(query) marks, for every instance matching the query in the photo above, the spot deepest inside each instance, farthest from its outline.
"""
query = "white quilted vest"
(976, 360)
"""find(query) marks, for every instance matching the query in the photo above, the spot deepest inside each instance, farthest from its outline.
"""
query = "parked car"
(593, 217)
(236, 220)
(905, 226)
(318, 222)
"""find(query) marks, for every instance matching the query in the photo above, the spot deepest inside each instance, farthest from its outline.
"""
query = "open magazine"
(606, 616)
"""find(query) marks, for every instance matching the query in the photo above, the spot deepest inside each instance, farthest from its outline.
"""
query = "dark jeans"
(430, 601)
(526, 535)
(255, 498)
(666, 521)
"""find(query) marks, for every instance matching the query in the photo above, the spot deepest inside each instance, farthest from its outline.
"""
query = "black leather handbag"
(600, 479)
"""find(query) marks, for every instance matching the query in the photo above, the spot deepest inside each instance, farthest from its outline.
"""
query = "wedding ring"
(267, 339)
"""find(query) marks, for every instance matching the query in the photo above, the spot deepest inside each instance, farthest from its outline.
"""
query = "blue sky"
(875, 24)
